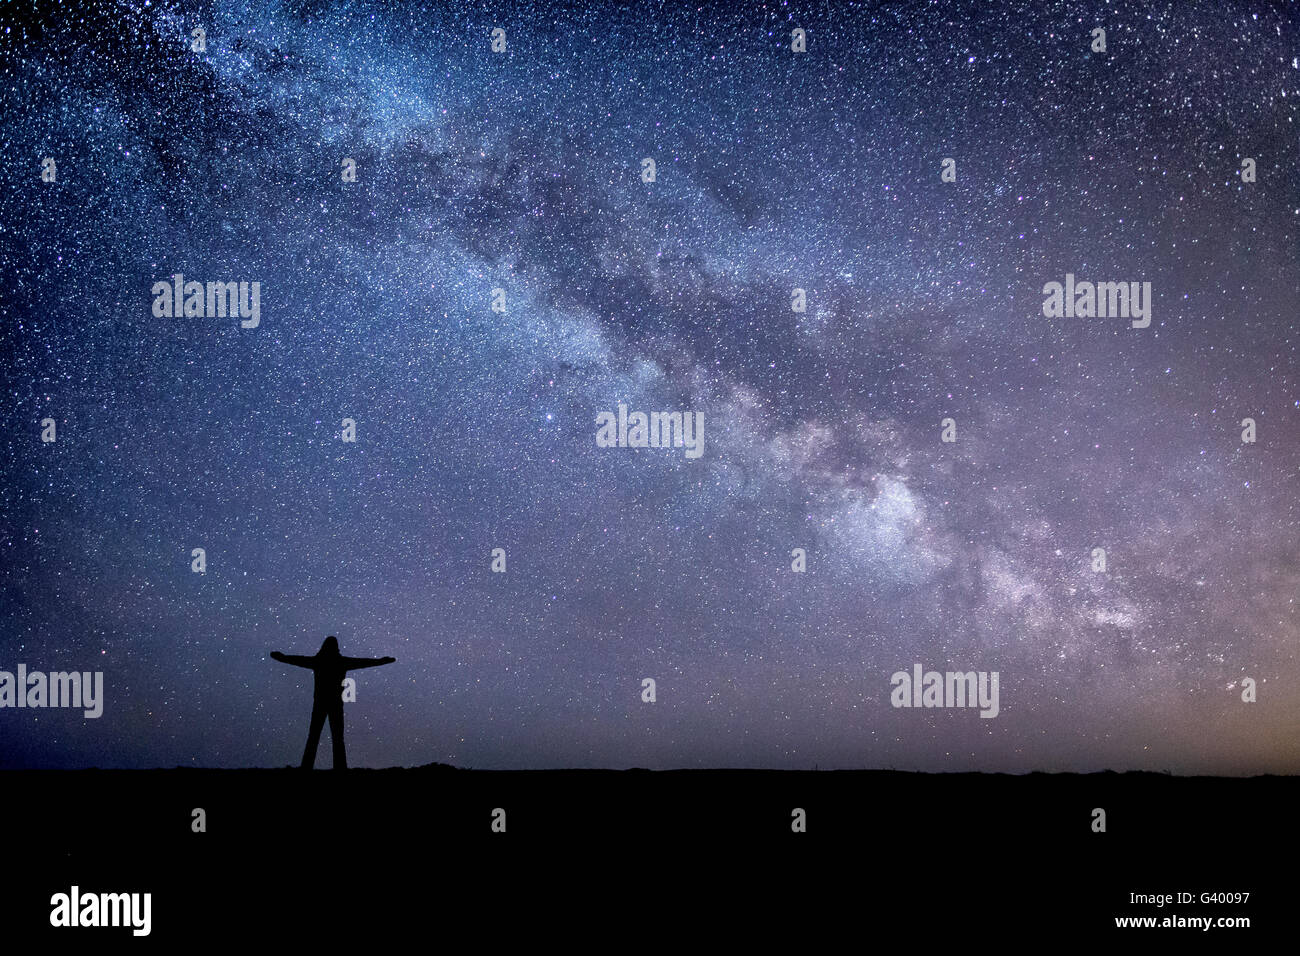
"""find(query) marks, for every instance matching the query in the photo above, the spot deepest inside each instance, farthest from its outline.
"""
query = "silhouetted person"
(327, 697)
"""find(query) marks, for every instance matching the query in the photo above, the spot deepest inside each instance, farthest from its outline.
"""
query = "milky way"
(775, 170)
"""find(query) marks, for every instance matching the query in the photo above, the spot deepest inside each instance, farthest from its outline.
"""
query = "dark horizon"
(323, 767)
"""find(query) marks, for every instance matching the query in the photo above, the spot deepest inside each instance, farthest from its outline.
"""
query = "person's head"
(330, 648)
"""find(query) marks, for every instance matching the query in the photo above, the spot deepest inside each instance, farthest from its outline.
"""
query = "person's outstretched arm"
(297, 660)
(353, 663)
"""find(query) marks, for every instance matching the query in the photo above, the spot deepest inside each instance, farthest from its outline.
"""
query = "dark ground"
(614, 859)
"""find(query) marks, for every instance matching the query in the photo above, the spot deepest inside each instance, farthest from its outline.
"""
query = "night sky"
(775, 170)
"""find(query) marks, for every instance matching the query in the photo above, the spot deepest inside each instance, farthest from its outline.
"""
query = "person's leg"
(313, 737)
(336, 734)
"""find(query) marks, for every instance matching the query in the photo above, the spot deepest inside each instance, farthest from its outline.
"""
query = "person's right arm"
(353, 663)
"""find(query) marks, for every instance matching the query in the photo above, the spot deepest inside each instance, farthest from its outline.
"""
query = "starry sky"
(475, 429)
